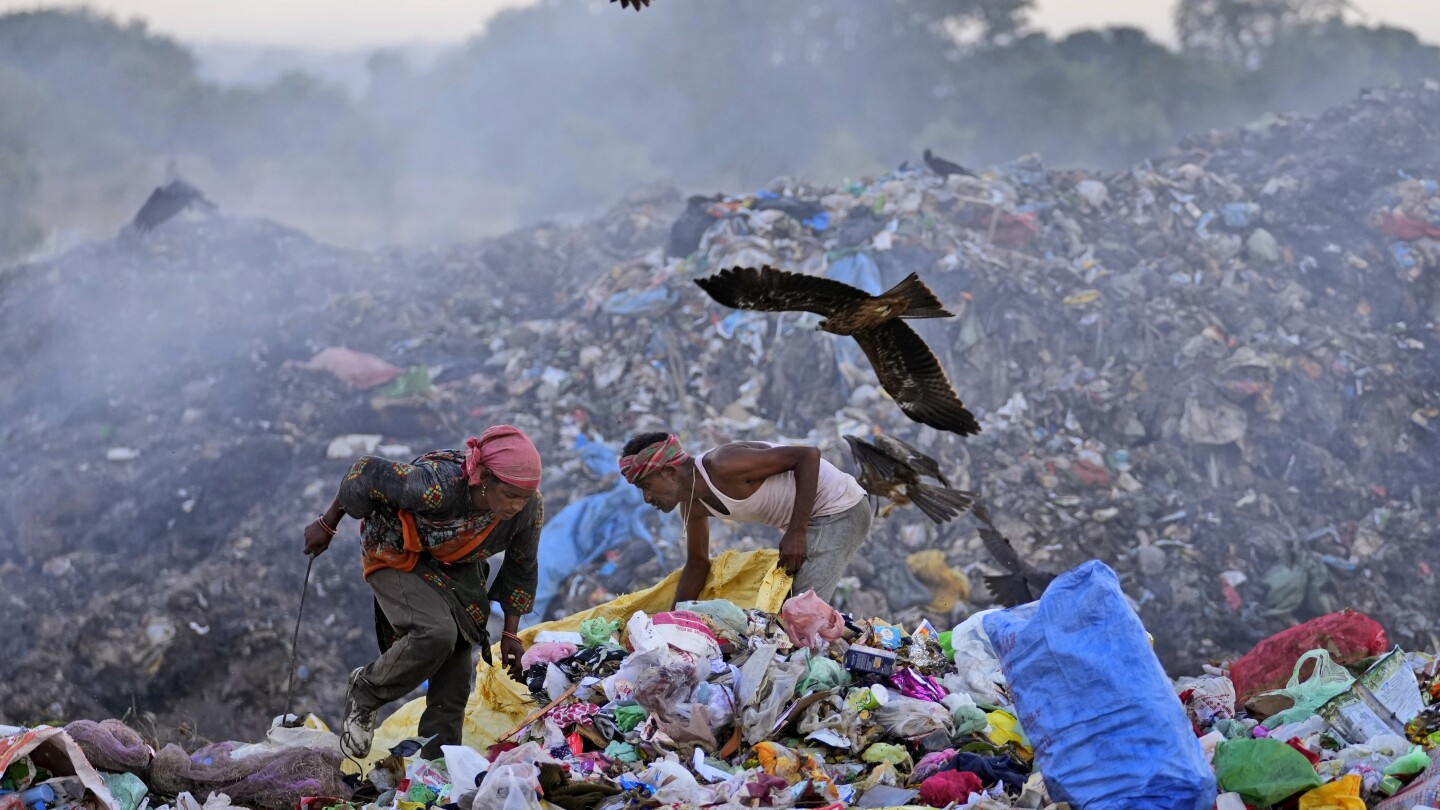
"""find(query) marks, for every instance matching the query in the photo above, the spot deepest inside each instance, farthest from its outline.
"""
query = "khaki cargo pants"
(430, 647)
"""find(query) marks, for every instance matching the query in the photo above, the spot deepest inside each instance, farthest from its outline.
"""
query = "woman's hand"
(511, 651)
(317, 538)
(322, 530)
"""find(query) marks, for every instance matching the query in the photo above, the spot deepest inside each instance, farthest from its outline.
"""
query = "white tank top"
(774, 501)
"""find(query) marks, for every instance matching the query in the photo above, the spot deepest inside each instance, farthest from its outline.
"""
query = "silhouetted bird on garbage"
(892, 469)
(944, 167)
(165, 202)
(905, 366)
(1024, 583)
(635, 4)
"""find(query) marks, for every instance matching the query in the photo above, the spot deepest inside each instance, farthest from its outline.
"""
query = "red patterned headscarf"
(655, 457)
(507, 453)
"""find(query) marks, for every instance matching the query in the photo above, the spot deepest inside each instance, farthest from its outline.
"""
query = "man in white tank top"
(820, 509)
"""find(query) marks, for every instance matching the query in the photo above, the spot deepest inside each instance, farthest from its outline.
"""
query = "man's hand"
(316, 539)
(792, 550)
(511, 651)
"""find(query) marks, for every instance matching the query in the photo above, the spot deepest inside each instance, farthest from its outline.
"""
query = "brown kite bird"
(905, 366)
(892, 469)
(1023, 583)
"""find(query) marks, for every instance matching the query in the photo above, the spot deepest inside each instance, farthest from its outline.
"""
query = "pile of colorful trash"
(1060, 703)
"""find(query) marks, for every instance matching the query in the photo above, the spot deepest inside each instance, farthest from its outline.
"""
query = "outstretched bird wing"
(875, 466)
(770, 290)
(635, 4)
(1023, 583)
(912, 458)
(910, 373)
(995, 542)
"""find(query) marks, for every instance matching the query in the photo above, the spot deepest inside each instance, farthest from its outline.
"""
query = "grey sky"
(363, 23)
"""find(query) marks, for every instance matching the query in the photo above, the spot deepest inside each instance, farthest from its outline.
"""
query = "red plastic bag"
(1349, 636)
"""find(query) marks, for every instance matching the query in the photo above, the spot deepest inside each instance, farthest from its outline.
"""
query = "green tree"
(1237, 30)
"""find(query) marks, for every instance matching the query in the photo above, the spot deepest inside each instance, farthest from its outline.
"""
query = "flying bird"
(165, 202)
(1023, 583)
(892, 469)
(944, 167)
(905, 366)
(635, 4)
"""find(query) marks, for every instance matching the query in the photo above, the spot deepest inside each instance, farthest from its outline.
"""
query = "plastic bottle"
(38, 797)
(1389, 785)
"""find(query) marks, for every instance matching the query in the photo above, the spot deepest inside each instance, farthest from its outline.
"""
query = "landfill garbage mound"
(1217, 372)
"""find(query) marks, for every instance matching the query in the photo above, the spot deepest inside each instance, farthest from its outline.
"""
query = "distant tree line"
(562, 106)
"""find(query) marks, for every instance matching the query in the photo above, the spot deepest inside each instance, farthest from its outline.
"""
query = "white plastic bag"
(674, 784)
(913, 719)
(464, 764)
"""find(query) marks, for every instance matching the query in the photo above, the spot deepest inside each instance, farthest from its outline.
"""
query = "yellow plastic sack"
(498, 704)
(1342, 794)
(1004, 728)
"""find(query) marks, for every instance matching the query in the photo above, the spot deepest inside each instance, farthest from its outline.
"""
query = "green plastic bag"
(889, 752)
(1412, 763)
(598, 631)
(968, 717)
(945, 639)
(822, 673)
(127, 789)
(628, 717)
(1326, 680)
(1263, 771)
(623, 751)
(1233, 729)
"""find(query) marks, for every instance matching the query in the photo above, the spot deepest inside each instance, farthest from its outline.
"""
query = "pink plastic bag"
(355, 369)
(810, 621)
(547, 652)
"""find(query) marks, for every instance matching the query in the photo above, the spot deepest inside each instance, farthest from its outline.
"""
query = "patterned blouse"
(423, 509)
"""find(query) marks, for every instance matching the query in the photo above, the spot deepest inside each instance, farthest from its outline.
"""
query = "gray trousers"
(430, 647)
(830, 543)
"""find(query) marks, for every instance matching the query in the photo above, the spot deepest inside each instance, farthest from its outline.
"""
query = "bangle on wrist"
(325, 526)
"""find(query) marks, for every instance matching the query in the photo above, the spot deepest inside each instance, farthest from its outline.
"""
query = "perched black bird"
(635, 4)
(905, 366)
(165, 202)
(689, 228)
(1023, 583)
(944, 167)
(892, 469)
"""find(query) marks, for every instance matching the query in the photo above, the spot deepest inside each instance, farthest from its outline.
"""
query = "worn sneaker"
(358, 727)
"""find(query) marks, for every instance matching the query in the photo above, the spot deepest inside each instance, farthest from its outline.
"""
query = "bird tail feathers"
(1009, 589)
(922, 302)
(940, 503)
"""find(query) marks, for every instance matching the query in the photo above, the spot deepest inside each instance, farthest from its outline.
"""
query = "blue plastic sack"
(1108, 731)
